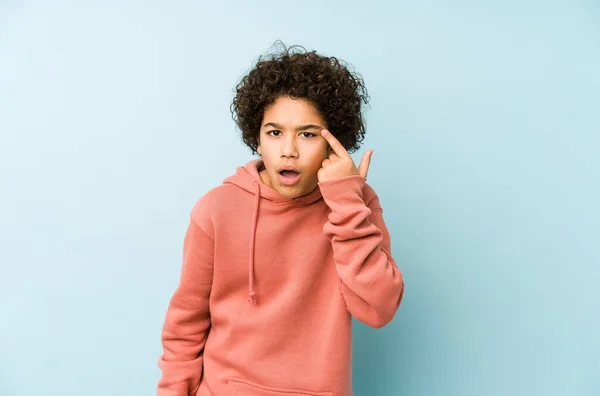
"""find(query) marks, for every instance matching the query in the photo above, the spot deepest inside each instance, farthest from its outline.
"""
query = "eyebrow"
(300, 128)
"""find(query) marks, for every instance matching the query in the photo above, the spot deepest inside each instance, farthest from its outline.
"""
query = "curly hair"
(326, 82)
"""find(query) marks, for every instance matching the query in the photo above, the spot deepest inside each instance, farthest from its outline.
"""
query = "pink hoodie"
(268, 287)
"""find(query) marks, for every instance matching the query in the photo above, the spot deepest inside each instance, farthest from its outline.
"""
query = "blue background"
(485, 121)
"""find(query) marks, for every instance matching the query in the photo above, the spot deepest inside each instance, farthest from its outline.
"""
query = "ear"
(258, 150)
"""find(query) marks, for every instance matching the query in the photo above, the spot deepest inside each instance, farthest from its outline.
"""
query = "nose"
(288, 148)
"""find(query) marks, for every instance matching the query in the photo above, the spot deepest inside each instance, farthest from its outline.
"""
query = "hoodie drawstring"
(251, 292)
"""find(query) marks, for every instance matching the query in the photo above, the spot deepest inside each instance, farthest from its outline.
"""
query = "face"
(291, 146)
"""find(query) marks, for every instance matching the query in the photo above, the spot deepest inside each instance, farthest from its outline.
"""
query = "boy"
(280, 257)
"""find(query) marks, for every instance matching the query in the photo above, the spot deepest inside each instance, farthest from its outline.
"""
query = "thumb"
(363, 168)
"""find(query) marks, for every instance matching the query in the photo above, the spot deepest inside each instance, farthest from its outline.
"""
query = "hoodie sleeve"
(187, 319)
(370, 282)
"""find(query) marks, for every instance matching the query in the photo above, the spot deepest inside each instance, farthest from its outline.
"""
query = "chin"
(286, 193)
(296, 192)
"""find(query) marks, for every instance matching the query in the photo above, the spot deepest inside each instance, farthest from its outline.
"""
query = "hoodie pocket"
(240, 387)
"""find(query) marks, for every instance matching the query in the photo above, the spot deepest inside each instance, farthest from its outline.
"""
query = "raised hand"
(339, 163)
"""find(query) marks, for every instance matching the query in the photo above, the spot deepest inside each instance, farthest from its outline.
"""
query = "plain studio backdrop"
(484, 118)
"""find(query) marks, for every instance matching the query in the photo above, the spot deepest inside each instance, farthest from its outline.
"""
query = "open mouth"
(288, 173)
(289, 177)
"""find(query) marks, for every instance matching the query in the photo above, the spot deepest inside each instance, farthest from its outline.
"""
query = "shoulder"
(214, 198)
(210, 206)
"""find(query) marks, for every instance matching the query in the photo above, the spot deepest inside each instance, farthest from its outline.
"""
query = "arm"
(188, 319)
(371, 283)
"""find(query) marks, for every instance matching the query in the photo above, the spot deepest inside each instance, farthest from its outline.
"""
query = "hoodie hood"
(247, 178)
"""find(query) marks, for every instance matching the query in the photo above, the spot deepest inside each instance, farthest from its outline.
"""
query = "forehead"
(290, 112)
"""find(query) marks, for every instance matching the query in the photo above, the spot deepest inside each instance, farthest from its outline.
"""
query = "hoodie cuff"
(342, 194)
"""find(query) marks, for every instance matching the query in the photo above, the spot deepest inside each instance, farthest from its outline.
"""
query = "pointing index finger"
(334, 143)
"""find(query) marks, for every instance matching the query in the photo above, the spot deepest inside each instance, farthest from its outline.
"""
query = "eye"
(274, 133)
(308, 135)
